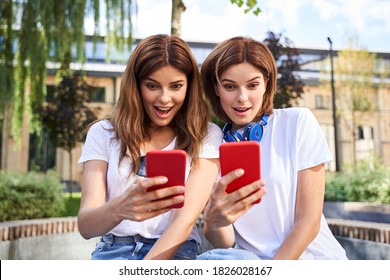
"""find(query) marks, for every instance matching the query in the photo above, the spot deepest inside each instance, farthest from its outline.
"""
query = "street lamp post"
(334, 109)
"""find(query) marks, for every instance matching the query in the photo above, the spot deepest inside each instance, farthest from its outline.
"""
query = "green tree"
(355, 71)
(290, 86)
(50, 30)
(66, 116)
(6, 56)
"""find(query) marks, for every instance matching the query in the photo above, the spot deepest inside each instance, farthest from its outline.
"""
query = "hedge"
(30, 196)
(365, 182)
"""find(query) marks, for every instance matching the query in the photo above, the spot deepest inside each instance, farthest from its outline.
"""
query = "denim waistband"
(110, 238)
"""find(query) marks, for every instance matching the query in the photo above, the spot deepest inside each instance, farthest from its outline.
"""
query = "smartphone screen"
(168, 163)
(245, 155)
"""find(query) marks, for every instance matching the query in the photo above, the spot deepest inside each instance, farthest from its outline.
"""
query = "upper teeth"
(164, 109)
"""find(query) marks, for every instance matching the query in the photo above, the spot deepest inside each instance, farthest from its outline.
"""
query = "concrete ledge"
(358, 249)
(59, 239)
(27, 228)
(44, 239)
(377, 232)
(361, 211)
(366, 207)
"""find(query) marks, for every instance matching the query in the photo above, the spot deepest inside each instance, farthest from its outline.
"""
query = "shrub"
(30, 196)
(366, 182)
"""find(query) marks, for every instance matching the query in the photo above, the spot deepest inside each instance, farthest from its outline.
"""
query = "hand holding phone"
(244, 155)
(168, 163)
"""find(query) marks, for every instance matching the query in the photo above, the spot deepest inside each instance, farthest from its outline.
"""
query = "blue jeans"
(112, 247)
(227, 254)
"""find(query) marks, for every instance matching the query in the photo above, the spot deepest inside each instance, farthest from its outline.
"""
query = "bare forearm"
(222, 237)
(98, 221)
(171, 240)
(297, 241)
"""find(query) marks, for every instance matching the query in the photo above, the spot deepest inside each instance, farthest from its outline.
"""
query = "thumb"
(228, 178)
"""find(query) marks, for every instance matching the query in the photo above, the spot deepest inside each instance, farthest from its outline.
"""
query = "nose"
(165, 96)
(242, 95)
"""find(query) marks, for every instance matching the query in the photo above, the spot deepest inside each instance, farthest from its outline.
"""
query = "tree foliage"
(66, 115)
(250, 5)
(34, 32)
(6, 56)
(355, 70)
(290, 86)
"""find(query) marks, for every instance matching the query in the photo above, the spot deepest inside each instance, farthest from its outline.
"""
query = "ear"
(216, 90)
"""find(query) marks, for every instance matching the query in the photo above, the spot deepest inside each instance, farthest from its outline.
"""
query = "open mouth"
(161, 111)
(241, 110)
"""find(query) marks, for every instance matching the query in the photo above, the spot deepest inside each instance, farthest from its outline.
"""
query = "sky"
(307, 23)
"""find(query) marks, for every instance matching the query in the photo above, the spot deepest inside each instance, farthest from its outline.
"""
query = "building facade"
(372, 139)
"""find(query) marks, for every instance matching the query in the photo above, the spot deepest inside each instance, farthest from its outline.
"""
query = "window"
(98, 94)
(360, 134)
(365, 132)
(322, 102)
(364, 142)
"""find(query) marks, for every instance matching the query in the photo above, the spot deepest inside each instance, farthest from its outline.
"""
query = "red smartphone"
(245, 155)
(168, 163)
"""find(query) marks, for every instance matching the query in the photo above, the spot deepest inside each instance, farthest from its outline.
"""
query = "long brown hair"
(129, 119)
(235, 51)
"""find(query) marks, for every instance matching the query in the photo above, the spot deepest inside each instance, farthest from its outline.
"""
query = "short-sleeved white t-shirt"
(292, 141)
(101, 144)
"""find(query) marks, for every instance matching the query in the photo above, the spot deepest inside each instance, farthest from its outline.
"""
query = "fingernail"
(240, 172)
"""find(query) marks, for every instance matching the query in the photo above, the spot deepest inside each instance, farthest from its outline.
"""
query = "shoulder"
(213, 128)
(214, 132)
(101, 127)
(212, 142)
(291, 112)
(293, 115)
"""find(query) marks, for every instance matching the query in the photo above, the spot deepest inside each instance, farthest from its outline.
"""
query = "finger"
(227, 179)
(165, 203)
(153, 181)
(247, 190)
(153, 186)
(244, 204)
(165, 192)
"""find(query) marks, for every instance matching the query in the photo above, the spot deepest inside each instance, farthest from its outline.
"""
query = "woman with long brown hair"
(160, 107)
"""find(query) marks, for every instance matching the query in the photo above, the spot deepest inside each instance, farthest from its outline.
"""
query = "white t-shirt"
(102, 145)
(292, 141)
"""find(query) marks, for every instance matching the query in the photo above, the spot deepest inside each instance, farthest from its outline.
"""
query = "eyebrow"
(251, 80)
(174, 82)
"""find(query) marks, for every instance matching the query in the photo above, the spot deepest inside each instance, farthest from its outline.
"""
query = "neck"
(158, 138)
